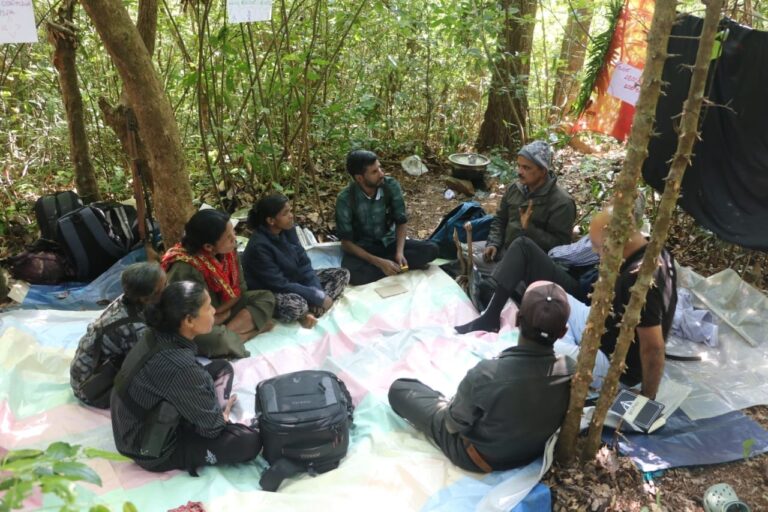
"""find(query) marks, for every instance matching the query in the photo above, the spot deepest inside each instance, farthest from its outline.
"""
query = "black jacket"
(509, 406)
(280, 264)
(173, 375)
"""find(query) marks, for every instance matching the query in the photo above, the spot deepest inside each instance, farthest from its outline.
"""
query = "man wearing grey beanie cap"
(539, 153)
(534, 207)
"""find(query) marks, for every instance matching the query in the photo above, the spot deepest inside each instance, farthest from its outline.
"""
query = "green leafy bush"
(53, 471)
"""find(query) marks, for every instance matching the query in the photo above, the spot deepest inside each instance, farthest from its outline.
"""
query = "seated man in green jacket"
(535, 206)
(372, 224)
(506, 408)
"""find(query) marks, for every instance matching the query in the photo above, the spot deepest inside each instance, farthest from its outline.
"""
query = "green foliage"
(747, 447)
(501, 168)
(598, 55)
(55, 471)
(255, 102)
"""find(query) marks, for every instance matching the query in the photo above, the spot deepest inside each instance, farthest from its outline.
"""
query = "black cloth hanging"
(726, 187)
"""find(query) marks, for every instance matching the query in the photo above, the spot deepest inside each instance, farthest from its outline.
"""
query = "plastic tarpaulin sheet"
(366, 340)
(78, 296)
(734, 375)
(726, 187)
(684, 442)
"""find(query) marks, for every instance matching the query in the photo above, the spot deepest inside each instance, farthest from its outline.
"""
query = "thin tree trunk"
(688, 135)
(506, 116)
(621, 222)
(63, 37)
(571, 60)
(142, 86)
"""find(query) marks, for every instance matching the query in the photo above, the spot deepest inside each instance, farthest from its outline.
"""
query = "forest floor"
(612, 483)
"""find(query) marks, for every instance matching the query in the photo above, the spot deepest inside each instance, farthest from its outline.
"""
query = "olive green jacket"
(222, 342)
(551, 222)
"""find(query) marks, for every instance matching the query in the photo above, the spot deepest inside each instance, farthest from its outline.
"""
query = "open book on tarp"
(671, 394)
(638, 411)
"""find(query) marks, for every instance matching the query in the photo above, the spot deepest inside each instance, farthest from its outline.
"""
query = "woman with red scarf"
(207, 254)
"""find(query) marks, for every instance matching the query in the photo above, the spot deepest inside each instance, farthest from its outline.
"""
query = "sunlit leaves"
(55, 471)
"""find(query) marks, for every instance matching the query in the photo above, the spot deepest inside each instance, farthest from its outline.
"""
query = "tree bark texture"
(147, 23)
(621, 223)
(506, 116)
(62, 35)
(157, 124)
(116, 117)
(680, 162)
(572, 52)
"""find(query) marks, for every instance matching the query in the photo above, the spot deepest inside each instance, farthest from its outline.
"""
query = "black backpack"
(96, 389)
(48, 209)
(304, 418)
(94, 237)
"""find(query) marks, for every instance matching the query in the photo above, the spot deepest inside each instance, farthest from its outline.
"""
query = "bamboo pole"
(680, 162)
(625, 191)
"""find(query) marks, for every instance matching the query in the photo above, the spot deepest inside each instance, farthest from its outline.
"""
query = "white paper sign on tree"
(17, 22)
(625, 83)
(243, 11)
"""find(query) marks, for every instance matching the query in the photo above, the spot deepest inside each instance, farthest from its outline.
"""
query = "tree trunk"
(116, 117)
(506, 116)
(624, 193)
(572, 52)
(62, 35)
(142, 86)
(146, 22)
(688, 135)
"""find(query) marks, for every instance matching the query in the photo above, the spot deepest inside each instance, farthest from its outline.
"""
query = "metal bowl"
(468, 166)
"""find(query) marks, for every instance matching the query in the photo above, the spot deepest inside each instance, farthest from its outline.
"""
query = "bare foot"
(308, 321)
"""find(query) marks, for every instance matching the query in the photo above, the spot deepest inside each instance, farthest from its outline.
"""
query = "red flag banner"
(612, 106)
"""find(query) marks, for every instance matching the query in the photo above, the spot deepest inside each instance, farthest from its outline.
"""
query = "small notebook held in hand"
(390, 290)
(639, 411)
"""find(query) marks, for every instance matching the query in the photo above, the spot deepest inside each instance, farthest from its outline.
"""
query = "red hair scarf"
(221, 276)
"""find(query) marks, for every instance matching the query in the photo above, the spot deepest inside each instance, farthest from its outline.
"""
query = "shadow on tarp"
(79, 296)
(685, 442)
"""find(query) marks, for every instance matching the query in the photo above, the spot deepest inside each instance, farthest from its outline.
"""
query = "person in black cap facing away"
(505, 408)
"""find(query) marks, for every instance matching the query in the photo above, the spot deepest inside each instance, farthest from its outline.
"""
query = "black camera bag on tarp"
(304, 419)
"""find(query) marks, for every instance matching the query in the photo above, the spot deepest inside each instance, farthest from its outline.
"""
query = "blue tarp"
(79, 296)
(684, 442)
(466, 494)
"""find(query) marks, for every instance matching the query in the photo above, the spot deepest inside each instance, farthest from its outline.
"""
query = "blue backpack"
(455, 219)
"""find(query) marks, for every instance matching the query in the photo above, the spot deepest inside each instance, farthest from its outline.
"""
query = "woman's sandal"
(722, 498)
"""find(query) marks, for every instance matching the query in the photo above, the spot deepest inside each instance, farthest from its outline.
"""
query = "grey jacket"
(551, 223)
